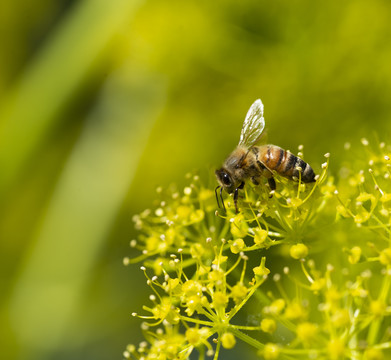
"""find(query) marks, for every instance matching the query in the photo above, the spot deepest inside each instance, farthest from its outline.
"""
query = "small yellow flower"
(154, 243)
(268, 326)
(355, 254)
(197, 250)
(276, 307)
(197, 216)
(298, 251)
(343, 211)
(237, 246)
(340, 318)
(183, 212)
(261, 270)
(377, 308)
(239, 227)
(386, 201)
(384, 212)
(216, 275)
(359, 291)
(318, 285)
(373, 354)
(193, 303)
(239, 292)
(333, 296)
(172, 284)
(364, 196)
(219, 259)
(362, 216)
(192, 287)
(166, 311)
(205, 194)
(260, 236)
(307, 332)
(295, 202)
(220, 299)
(172, 236)
(131, 348)
(228, 340)
(336, 349)
(385, 256)
(195, 336)
(168, 347)
(271, 351)
(295, 311)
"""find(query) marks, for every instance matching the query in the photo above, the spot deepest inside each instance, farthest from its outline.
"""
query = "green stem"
(251, 292)
(197, 321)
(254, 343)
(376, 323)
(217, 350)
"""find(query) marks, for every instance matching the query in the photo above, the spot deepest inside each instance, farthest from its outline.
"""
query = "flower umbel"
(312, 265)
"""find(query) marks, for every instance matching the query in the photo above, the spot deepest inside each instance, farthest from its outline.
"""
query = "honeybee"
(252, 162)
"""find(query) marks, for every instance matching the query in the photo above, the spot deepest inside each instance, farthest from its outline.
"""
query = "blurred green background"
(102, 101)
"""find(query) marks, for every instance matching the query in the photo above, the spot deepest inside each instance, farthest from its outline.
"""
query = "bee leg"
(272, 184)
(222, 200)
(236, 194)
(221, 197)
(217, 196)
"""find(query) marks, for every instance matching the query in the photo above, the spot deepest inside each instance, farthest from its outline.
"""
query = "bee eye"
(226, 179)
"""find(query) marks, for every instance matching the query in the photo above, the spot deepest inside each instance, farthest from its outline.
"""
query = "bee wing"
(253, 125)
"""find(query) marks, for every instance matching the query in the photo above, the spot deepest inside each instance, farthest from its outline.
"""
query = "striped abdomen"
(285, 163)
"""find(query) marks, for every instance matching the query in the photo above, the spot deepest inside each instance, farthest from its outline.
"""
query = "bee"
(249, 161)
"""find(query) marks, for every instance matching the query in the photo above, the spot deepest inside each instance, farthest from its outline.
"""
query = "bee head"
(225, 180)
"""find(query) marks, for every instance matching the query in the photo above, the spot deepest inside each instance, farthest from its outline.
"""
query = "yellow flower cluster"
(303, 274)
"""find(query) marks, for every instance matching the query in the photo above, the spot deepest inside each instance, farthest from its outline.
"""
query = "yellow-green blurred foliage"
(101, 101)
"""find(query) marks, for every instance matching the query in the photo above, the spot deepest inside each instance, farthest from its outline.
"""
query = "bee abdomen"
(286, 164)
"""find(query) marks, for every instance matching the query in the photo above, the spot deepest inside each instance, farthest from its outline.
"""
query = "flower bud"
(298, 251)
